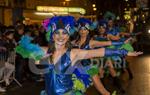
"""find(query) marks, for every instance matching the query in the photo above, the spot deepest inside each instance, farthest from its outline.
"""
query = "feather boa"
(28, 50)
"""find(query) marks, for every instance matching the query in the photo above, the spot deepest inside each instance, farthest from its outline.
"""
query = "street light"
(94, 5)
(94, 9)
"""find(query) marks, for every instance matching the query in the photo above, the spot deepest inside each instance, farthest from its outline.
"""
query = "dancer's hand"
(128, 40)
(134, 53)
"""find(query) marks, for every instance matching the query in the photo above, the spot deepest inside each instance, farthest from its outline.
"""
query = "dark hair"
(87, 39)
(51, 48)
(110, 18)
(9, 30)
(18, 27)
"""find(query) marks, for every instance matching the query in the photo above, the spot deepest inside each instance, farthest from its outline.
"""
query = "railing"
(7, 60)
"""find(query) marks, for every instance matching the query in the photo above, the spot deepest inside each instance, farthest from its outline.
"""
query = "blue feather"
(25, 40)
(27, 45)
(82, 22)
(85, 78)
(65, 20)
(102, 23)
(109, 15)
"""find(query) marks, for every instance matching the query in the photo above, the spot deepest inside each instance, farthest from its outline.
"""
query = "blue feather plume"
(85, 78)
(58, 22)
(83, 22)
(102, 23)
(34, 49)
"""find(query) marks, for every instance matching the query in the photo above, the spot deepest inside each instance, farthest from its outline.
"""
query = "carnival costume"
(87, 69)
(60, 79)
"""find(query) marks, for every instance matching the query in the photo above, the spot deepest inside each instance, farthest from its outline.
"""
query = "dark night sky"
(115, 6)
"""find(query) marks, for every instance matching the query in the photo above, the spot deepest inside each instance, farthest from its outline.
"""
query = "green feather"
(93, 70)
(78, 85)
(114, 93)
(48, 36)
(127, 47)
(27, 54)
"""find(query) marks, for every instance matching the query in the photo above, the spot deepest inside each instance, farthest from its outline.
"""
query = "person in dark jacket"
(9, 44)
(2, 50)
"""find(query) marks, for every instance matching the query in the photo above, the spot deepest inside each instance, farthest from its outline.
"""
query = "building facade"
(13, 10)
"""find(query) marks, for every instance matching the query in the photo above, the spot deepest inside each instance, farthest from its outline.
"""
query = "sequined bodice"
(58, 80)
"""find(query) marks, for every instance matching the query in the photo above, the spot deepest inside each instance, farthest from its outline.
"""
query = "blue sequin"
(57, 81)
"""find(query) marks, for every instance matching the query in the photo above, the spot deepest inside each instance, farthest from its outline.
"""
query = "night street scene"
(74, 47)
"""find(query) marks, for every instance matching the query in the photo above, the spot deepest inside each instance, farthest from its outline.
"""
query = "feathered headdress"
(102, 23)
(83, 22)
(109, 16)
(59, 22)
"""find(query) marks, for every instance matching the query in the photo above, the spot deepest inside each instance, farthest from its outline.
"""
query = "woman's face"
(36, 33)
(102, 30)
(110, 23)
(20, 31)
(83, 32)
(10, 36)
(61, 37)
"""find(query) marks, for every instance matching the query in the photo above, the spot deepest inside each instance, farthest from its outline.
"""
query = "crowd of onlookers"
(9, 39)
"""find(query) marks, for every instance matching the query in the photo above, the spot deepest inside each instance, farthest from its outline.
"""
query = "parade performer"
(84, 41)
(58, 80)
(112, 33)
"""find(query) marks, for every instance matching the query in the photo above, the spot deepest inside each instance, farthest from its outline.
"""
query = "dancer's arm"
(94, 43)
(112, 37)
(79, 54)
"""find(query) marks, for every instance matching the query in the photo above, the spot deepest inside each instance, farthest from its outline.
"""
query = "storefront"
(42, 12)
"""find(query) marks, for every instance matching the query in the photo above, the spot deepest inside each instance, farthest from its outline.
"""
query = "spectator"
(2, 51)
(10, 45)
(19, 32)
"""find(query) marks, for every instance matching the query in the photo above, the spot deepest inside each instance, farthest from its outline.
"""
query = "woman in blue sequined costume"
(109, 64)
(85, 42)
(58, 80)
(113, 34)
